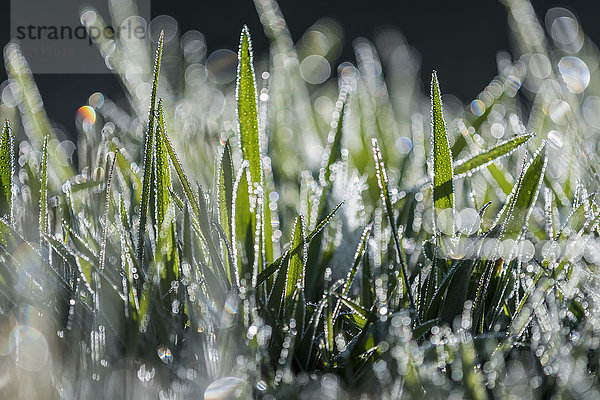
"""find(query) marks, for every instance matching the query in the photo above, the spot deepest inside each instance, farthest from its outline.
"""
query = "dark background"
(457, 38)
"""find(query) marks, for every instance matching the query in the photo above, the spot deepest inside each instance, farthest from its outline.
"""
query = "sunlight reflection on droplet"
(556, 138)
(564, 29)
(551, 251)
(575, 73)
(591, 111)
(193, 44)
(540, 66)
(133, 28)
(315, 69)
(195, 74)
(497, 130)
(96, 100)
(477, 107)
(445, 221)
(469, 221)
(164, 353)
(404, 145)
(225, 388)
(509, 249)
(164, 23)
(30, 348)
(87, 113)
(574, 249)
(558, 111)
(491, 249)
(526, 251)
(221, 65)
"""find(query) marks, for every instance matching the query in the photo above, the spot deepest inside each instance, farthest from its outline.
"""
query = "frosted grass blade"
(296, 268)
(102, 256)
(44, 190)
(149, 152)
(518, 208)
(225, 190)
(474, 163)
(271, 269)
(246, 107)
(442, 179)
(6, 173)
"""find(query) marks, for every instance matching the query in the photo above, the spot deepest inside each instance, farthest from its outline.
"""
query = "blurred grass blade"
(474, 163)
(333, 154)
(358, 256)
(247, 114)
(443, 185)
(382, 181)
(6, 173)
(149, 152)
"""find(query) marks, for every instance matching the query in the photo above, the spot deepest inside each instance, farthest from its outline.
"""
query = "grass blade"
(474, 163)
(296, 267)
(44, 190)
(443, 184)
(382, 181)
(149, 152)
(225, 190)
(247, 114)
(7, 170)
(518, 208)
(271, 269)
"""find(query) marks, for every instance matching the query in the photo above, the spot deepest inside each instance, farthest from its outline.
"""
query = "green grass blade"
(271, 269)
(243, 242)
(7, 170)
(296, 267)
(106, 211)
(246, 107)
(165, 219)
(457, 292)
(474, 163)
(357, 310)
(148, 152)
(443, 185)
(44, 190)
(225, 190)
(367, 291)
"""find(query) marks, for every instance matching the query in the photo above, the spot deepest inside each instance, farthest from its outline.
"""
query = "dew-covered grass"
(303, 231)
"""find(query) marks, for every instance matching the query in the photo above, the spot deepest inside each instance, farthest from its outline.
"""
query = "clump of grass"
(159, 270)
